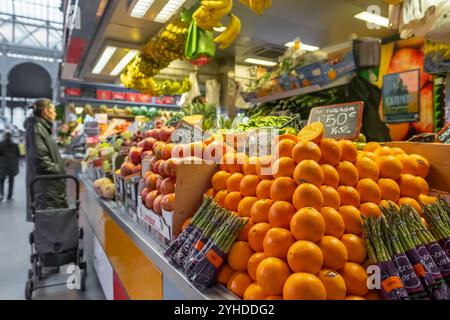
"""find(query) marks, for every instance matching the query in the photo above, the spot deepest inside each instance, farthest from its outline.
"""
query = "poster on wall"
(401, 96)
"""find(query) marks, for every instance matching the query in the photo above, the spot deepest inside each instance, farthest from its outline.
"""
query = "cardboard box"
(438, 154)
(192, 181)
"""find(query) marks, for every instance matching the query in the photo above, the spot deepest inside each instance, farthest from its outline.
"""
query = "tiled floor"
(15, 261)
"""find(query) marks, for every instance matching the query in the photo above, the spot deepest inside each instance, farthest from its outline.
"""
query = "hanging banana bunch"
(210, 12)
(226, 38)
(257, 6)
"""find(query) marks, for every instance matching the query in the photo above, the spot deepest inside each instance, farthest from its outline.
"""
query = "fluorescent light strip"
(261, 62)
(303, 46)
(124, 62)
(106, 56)
(140, 8)
(220, 29)
(169, 9)
(373, 18)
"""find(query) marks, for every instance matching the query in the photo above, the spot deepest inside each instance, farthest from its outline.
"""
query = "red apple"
(148, 143)
(157, 204)
(137, 169)
(135, 155)
(171, 167)
(167, 151)
(150, 181)
(162, 168)
(150, 199)
(167, 186)
(158, 150)
(126, 169)
(145, 154)
(157, 165)
(168, 202)
(144, 194)
(166, 132)
(159, 182)
(148, 133)
(156, 134)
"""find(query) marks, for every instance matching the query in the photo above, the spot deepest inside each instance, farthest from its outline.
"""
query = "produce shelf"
(119, 103)
(148, 244)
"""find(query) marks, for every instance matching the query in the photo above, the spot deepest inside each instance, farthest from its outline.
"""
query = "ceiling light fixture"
(105, 57)
(260, 62)
(373, 18)
(169, 9)
(140, 8)
(124, 62)
(306, 47)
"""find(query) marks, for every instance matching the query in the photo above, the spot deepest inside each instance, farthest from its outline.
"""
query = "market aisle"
(15, 250)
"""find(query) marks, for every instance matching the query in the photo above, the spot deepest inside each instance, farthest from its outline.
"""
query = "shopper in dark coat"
(9, 164)
(43, 158)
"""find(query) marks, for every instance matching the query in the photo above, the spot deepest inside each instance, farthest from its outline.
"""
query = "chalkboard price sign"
(340, 121)
(444, 135)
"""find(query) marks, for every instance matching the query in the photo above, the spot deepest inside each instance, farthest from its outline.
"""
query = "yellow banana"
(220, 13)
(215, 4)
(267, 4)
(226, 38)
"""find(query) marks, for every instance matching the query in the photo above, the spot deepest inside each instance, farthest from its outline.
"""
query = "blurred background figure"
(9, 164)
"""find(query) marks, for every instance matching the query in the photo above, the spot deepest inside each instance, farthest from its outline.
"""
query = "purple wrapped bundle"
(421, 270)
(409, 278)
(204, 273)
(186, 246)
(430, 264)
(441, 259)
(445, 244)
(178, 242)
(392, 286)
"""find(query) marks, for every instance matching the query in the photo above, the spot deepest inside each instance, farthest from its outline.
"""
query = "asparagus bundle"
(437, 258)
(397, 253)
(218, 219)
(197, 221)
(208, 261)
(437, 216)
(392, 287)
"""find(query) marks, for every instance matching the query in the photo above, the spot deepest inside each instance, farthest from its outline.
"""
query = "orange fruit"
(368, 190)
(245, 206)
(349, 196)
(371, 146)
(370, 209)
(277, 242)
(256, 236)
(370, 155)
(331, 152)
(334, 224)
(230, 163)
(284, 148)
(186, 223)
(283, 167)
(224, 274)
(264, 167)
(355, 278)
(248, 185)
(220, 198)
(307, 224)
(306, 150)
(412, 202)
(305, 256)
(303, 286)
(307, 195)
(330, 175)
(389, 189)
(210, 192)
(374, 295)
(254, 292)
(355, 246)
(271, 274)
(233, 181)
(387, 203)
(311, 132)
(423, 166)
(238, 283)
(282, 188)
(409, 163)
(353, 297)
(260, 210)
(331, 197)
(424, 185)
(280, 214)
(390, 167)
(367, 168)
(263, 189)
(427, 199)
(274, 298)
(232, 200)
(243, 234)
(253, 263)
(349, 151)
(219, 180)
(239, 254)
(308, 171)
(410, 186)
(334, 252)
(352, 219)
(334, 284)
(348, 174)
(397, 151)
(383, 151)
(249, 167)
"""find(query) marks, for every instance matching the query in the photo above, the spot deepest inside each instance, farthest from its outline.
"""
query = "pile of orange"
(304, 236)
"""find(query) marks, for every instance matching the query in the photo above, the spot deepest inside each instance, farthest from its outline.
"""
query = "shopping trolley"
(55, 240)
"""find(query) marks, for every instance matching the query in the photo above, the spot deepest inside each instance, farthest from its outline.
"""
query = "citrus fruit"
(409, 163)
(389, 189)
(371, 146)
(303, 286)
(411, 202)
(308, 171)
(284, 148)
(367, 168)
(239, 254)
(256, 236)
(232, 162)
(423, 166)
(282, 189)
(264, 167)
(277, 242)
(271, 274)
(334, 252)
(233, 181)
(224, 274)
(383, 151)
(334, 284)
(305, 256)
(331, 197)
(424, 185)
(243, 234)
(331, 151)
(280, 214)
(232, 200)
(330, 175)
(220, 197)
(248, 185)
(368, 190)
(424, 199)
(249, 167)
(245, 206)
(409, 185)
(307, 224)
(283, 167)
(219, 180)
(352, 219)
(353, 297)
(311, 132)
(307, 195)
(349, 151)
(370, 209)
(238, 283)
(210, 192)
(263, 189)
(274, 298)
(253, 263)
(260, 210)
(355, 246)
(254, 292)
(387, 204)
(306, 150)
(349, 196)
(348, 174)
(334, 224)
(355, 278)
(390, 167)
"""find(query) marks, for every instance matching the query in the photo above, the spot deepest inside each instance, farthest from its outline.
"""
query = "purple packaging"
(430, 264)
(392, 287)
(445, 244)
(420, 268)
(409, 278)
(441, 259)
